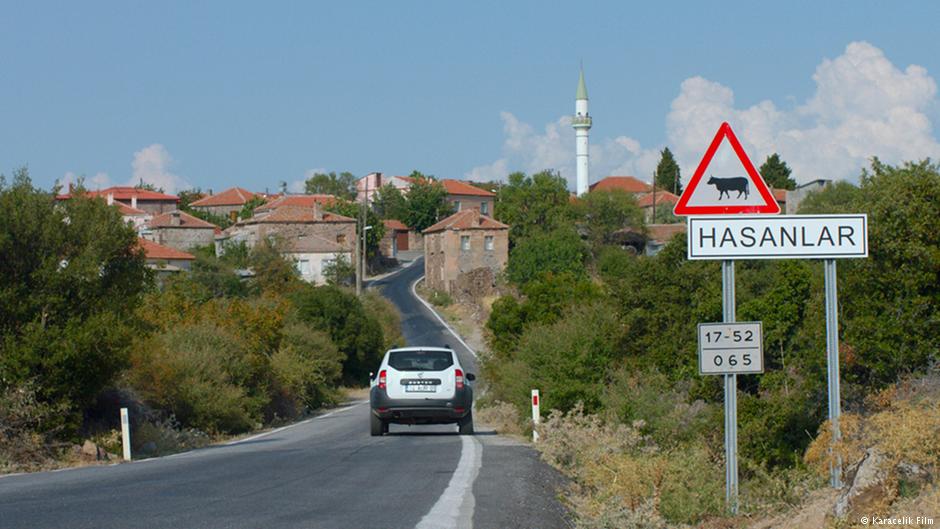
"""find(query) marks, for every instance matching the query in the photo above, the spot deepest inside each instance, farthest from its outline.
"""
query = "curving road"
(324, 472)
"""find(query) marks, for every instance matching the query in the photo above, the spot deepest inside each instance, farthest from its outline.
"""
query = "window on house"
(485, 208)
(456, 205)
(464, 242)
(488, 243)
(303, 266)
(341, 238)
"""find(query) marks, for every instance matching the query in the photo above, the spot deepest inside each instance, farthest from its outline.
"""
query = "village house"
(228, 203)
(151, 202)
(180, 230)
(461, 196)
(297, 201)
(795, 197)
(664, 200)
(465, 246)
(368, 185)
(627, 184)
(164, 259)
(312, 238)
(396, 238)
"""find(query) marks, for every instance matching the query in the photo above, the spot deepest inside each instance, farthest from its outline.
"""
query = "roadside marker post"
(126, 434)
(535, 415)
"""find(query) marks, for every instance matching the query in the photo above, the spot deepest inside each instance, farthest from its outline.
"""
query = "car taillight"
(383, 378)
(458, 379)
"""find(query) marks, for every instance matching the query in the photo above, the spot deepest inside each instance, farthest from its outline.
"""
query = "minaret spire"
(581, 121)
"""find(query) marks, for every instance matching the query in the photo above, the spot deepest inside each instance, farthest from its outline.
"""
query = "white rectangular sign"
(778, 236)
(730, 348)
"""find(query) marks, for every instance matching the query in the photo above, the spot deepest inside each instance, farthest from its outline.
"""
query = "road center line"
(454, 509)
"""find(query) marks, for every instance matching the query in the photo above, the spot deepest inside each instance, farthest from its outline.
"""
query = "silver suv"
(421, 385)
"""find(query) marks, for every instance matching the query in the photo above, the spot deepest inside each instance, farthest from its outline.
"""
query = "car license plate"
(420, 388)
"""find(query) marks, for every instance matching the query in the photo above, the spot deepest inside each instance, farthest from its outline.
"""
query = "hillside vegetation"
(609, 339)
(86, 329)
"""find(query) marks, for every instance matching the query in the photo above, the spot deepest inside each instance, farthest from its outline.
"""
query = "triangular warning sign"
(732, 185)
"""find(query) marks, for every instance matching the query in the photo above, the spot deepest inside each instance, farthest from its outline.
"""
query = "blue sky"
(220, 94)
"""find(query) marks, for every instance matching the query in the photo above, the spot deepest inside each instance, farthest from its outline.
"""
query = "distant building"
(368, 185)
(466, 242)
(152, 202)
(297, 201)
(795, 197)
(180, 230)
(228, 202)
(581, 121)
(396, 238)
(628, 184)
(133, 216)
(658, 235)
(461, 196)
(309, 236)
(664, 200)
(164, 259)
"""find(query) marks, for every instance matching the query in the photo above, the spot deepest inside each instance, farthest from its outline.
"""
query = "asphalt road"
(324, 472)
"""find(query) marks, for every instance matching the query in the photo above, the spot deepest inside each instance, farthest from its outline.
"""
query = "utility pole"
(360, 244)
(653, 220)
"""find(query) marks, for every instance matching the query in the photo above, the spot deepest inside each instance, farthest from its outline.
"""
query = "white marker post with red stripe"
(535, 415)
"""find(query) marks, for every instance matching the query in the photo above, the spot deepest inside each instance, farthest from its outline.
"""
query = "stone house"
(180, 230)
(464, 243)
(396, 238)
(663, 199)
(629, 184)
(795, 197)
(164, 259)
(309, 236)
(296, 201)
(227, 203)
(461, 196)
(151, 202)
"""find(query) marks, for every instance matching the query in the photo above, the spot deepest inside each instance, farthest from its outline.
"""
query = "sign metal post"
(832, 366)
(731, 394)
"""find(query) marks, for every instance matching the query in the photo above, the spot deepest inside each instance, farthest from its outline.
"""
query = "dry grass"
(502, 417)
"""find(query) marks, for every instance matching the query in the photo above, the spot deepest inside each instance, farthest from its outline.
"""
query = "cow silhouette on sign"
(736, 183)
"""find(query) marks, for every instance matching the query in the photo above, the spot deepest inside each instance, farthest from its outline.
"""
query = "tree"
(71, 274)
(148, 186)
(667, 175)
(426, 202)
(776, 173)
(342, 185)
(248, 210)
(539, 203)
(557, 252)
(605, 212)
(389, 203)
(273, 272)
(188, 196)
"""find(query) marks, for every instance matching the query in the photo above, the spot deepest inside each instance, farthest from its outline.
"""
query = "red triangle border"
(770, 205)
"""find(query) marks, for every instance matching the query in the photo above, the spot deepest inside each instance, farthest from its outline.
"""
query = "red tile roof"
(156, 251)
(295, 214)
(303, 201)
(457, 187)
(186, 221)
(235, 196)
(467, 219)
(662, 197)
(625, 183)
(664, 232)
(128, 211)
(310, 243)
(127, 193)
(392, 224)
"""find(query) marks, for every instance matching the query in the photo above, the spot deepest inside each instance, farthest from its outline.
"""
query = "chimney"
(110, 199)
(175, 218)
(134, 201)
(317, 214)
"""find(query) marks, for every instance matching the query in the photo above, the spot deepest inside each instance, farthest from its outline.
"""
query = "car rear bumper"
(421, 411)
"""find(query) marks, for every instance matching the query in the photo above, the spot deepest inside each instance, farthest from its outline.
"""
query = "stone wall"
(182, 238)
(445, 260)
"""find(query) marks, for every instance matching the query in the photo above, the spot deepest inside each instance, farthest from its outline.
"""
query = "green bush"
(558, 252)
(306, 369)
(439, 298)
(198, 373)
(356, 333)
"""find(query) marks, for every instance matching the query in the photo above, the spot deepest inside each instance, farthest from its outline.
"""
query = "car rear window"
(421, 360)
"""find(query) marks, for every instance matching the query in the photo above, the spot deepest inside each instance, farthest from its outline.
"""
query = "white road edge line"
(439, 318)
(454, 509)
(289, 426)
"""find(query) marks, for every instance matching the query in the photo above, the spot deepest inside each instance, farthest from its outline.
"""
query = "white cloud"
(99, 181)
(863, 106)
(152, 165)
